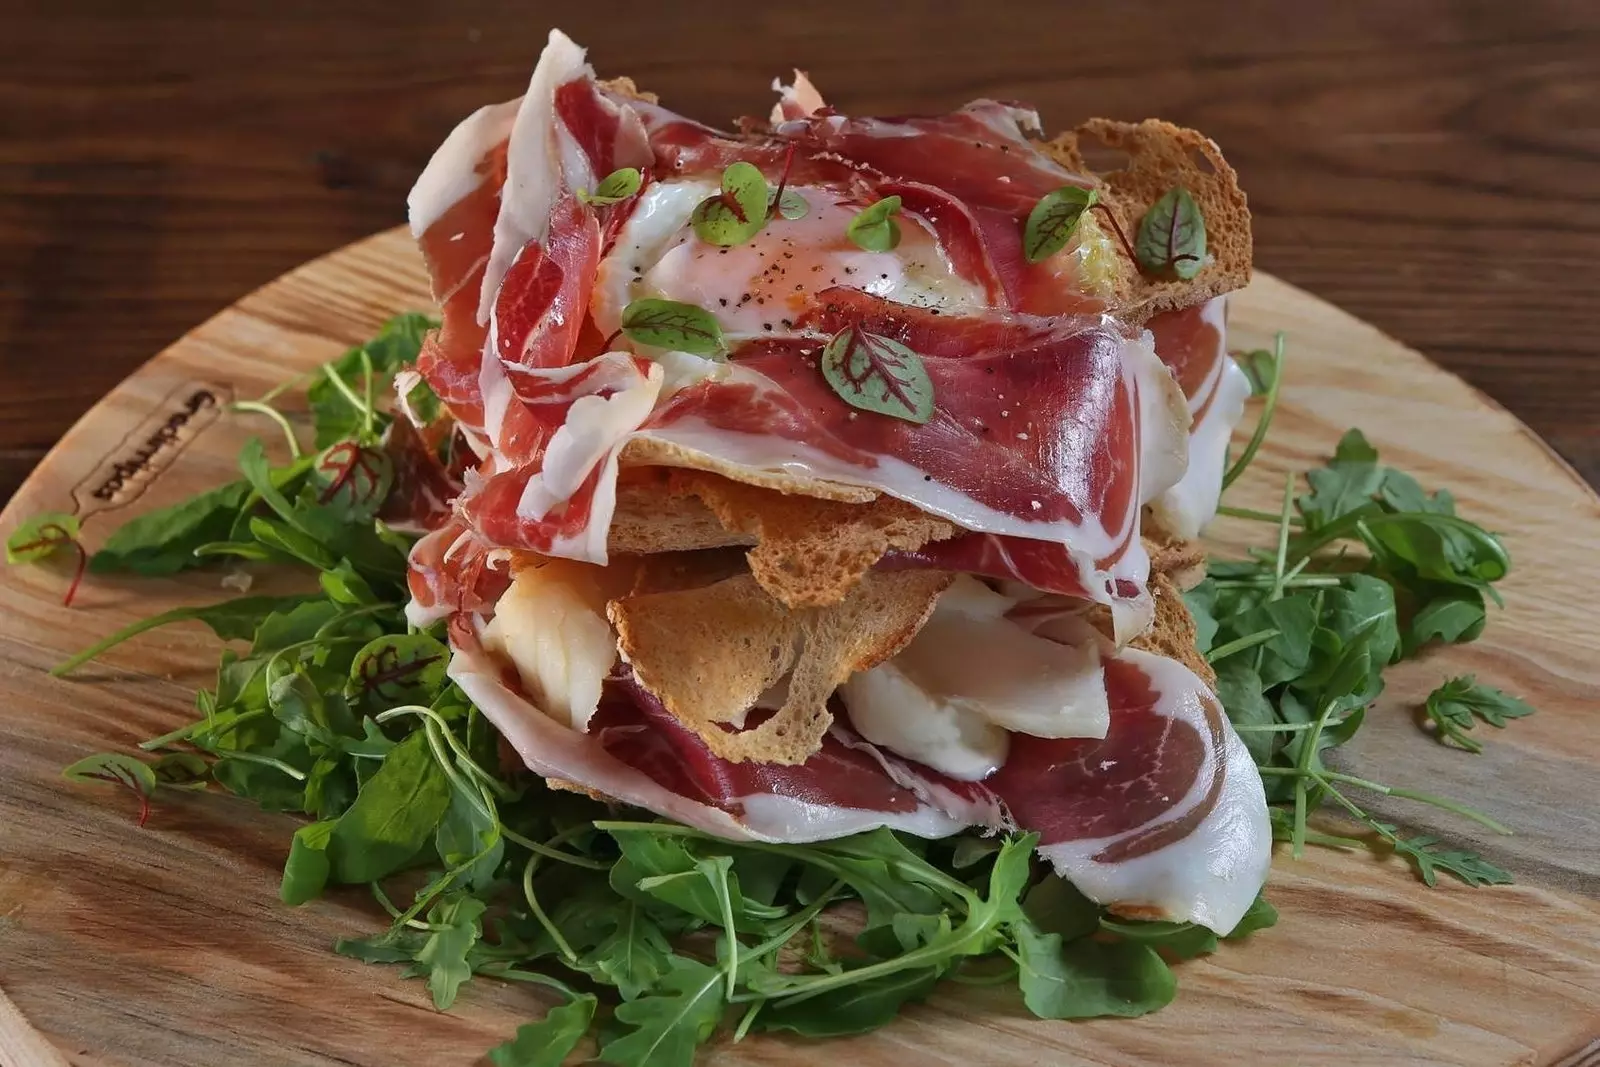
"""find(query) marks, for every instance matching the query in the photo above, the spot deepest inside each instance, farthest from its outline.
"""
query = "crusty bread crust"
(1161, 157)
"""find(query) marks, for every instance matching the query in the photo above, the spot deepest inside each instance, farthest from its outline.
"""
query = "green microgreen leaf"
(675, 326)
(614, 187)
(1053, 221)
(792, 205)
(874, 228)
(1172, 236)
(878, 374)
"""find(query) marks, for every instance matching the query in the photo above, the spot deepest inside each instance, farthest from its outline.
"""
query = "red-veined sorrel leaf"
(43, 536)
(1053, 221)
(116, 769)
(669, 324)
(738, 212)
(399, 669)
(878, 374)
(1172, 236)
(352, 479)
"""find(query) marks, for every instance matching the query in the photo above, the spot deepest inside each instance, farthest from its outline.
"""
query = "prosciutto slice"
(1163, 818)
(1192, 345)
(1036, 438)
(636, 753)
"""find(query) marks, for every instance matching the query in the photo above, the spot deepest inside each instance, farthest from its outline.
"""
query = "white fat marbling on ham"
(1164, 422)
(540, 163)
(1212, 873)
(1187, 508)
(795, 101)
(454, 169)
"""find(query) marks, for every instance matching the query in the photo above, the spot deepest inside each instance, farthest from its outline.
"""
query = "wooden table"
(1432, 167)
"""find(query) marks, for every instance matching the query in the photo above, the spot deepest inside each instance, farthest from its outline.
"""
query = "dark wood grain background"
(1433, 167)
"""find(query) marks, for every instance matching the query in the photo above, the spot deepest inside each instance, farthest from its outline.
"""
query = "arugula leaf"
(854, 1009)
(1084, 979)
(164, 541)
(1454, 705)
(1456, 616)
(547, 1043)
(231, 620)
(1347, 482)
(397, 346)
(467, 835)
(664, 1028)
(305, 872)
(457, 923)
(1243, 697)
(1259, 916)
(1055, 906)
(633, 955)
(1184, 941)
(1424, 853)
(394, 816)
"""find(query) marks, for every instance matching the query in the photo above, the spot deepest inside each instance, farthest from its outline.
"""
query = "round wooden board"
(168, 945)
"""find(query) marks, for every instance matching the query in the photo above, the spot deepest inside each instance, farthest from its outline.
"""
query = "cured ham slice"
(1165, 818)
(1037, 435)
(1162, 818)
(637, 753)
(561, 503)
(1192, 344)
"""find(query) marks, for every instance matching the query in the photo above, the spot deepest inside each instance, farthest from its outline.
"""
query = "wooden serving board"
(168, 945)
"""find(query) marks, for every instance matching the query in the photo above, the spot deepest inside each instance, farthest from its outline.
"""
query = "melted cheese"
(888, 708)
(971, 676)
(551, 626)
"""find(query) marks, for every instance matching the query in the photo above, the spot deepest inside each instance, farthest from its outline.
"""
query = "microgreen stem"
(463, 757)
(368, 412)
(1272, 728)
(1326, 778)
(570, 858)
(268, 761)
(1258, 516)
(538, 911)
(1291, 580)
(1222, 652)
(342, 387)
(1267, 411)
(744, 1022)
(1283, 539)
(257, 407)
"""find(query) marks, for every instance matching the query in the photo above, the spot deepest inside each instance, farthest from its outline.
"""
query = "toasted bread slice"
(710, 652)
